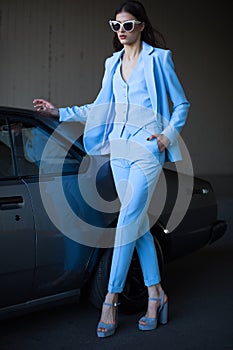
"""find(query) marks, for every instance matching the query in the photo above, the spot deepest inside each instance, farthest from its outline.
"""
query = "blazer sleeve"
(80, 113)
(180, 104)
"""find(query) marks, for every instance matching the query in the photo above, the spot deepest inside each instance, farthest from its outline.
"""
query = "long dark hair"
(150, 35)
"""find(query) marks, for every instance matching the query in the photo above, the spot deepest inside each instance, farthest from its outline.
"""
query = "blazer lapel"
(149, 74)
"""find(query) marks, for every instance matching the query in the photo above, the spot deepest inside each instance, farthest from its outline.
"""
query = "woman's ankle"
(111, 298)
(155, 291)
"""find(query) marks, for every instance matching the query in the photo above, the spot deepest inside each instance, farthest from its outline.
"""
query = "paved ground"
(200, 288)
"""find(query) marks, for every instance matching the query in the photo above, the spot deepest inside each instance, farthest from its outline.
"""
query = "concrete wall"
(56, 49)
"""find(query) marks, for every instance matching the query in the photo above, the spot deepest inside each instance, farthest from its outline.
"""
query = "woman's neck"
(132, 51)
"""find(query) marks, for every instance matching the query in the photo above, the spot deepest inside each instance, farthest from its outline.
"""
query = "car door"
(61, 262)
(17, 226)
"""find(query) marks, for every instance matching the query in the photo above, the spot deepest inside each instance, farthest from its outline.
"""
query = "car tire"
(99, 282)
(134, 297)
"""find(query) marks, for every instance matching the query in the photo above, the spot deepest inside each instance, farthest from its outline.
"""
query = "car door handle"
(14, 202)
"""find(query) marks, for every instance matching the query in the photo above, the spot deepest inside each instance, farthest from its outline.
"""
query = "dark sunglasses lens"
(128, 26)
(116, 26)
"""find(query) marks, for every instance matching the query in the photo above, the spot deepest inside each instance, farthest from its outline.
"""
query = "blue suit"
(136, 163)
(162, 82)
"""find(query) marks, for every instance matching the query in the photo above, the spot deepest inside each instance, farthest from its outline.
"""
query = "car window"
(6, 154)
(29, 143)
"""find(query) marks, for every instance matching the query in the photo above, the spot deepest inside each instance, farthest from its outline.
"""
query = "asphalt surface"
(200, 290)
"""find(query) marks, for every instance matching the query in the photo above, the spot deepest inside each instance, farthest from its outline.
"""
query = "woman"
(136, 127)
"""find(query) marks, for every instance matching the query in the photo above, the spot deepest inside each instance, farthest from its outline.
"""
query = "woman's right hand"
(44, 106)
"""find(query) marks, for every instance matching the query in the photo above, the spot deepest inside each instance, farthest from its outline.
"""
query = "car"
(56, 245)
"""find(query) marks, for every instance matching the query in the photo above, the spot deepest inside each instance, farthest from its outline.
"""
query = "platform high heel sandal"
(111, 327)
(151, 322)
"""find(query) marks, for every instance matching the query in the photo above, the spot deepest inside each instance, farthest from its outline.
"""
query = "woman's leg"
(121, 175)
(133, 188)
(135, 182)
(148, 259)
(150, 268)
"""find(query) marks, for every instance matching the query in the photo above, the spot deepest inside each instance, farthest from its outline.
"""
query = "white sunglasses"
(128, 26)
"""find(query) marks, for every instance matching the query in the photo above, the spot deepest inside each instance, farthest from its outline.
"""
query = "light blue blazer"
(162, 84)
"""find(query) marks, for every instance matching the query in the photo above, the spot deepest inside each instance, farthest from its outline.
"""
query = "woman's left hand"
(162, 141)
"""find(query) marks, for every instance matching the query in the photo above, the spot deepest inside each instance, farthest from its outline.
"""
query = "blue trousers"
(136, 165)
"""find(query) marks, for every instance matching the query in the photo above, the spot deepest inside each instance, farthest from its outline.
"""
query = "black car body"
(39, 264)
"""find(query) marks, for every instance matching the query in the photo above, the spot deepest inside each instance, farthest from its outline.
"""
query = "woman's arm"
(64, 114)
(176, 93)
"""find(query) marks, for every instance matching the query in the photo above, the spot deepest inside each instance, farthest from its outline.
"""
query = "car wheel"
(99, 283)
(134, 297)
